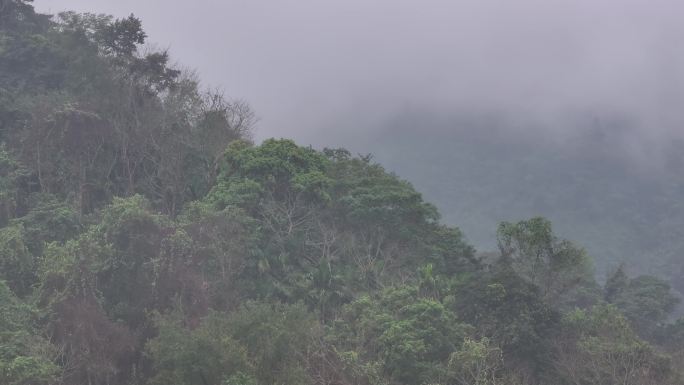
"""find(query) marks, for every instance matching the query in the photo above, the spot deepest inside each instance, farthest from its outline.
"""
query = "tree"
(398, 335)
(598, 347)
(224, 249)
(17, 265)
(48, 219)
(144, 239)
(131, 233)
(92, 347)
(476, 363)
(646, 301)
(260, 343)
(207, 355)
(512, 314)
(616, 284)
(26, 357)
(13, 187)
(121, 37)
(556, 266)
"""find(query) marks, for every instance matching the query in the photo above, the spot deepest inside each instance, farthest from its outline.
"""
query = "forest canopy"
(145, 239)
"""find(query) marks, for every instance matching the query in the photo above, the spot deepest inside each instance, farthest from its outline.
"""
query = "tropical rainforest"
(146, 239)
(586, 174)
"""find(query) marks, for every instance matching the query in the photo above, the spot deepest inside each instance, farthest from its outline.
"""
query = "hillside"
(145, 239)
(481, 170)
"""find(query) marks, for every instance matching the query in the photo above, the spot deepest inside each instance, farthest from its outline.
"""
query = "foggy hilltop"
(600, 84)
(250, 192)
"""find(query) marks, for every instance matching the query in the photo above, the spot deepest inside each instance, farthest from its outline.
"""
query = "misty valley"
(148, 236)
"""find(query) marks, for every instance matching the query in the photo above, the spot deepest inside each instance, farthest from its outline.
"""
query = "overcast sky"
(323, 70)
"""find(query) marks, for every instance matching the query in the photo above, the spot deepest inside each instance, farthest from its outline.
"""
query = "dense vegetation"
(599, 179)
(146, 240)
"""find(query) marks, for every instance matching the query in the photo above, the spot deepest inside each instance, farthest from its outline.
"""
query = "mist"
(495, 110)
(340, 72)
(507, 206)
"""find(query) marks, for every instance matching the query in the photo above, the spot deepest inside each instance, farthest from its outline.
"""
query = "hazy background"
(325, 71)
(495, 109)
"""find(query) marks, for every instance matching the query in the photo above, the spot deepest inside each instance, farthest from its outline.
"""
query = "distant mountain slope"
(479, 171)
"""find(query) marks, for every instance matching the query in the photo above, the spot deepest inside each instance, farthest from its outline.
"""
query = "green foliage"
(476, 363)
(449, 251)
(206, 355)
(329, 217)
(48, 220)
(242, 193)
(91, 117)
(389, 202)
(125, 274)
(645, 300)
(240, 379)
(145, 240)
(556, 266)
(511, 312)
(12, 180)
(25, 357)
(17, 264)
(259, 343)
(122, 36)
(371, 197)
(599, 347)
(616, 284)
(224, 248)
(277, 338)
(284, 171)
(407, 337)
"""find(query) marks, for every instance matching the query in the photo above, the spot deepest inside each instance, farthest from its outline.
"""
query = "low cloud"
(327, 72)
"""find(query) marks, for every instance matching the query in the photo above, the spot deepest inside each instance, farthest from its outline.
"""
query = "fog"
(338, 72)
(510, 209)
